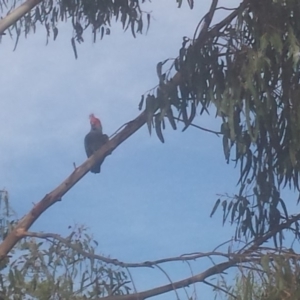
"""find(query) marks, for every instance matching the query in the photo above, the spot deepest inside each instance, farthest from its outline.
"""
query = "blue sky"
(151, 200)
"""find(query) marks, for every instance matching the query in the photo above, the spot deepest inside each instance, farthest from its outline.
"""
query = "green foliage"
(7, 215)
(56, 270)
(276, 277)
(249, 70)
(93, 14)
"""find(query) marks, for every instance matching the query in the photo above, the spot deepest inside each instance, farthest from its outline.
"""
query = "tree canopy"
(96, 16)
(247, 67)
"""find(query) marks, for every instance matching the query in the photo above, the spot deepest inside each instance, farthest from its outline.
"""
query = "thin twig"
(122, 126)
(148, 264)
(132, 281)
(166, 274)
(199, 127)
(207, 20)
(192, 273)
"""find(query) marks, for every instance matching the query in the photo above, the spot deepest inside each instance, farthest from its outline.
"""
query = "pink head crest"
(95, 122)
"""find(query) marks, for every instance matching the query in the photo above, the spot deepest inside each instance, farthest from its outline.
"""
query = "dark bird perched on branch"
(94, 140)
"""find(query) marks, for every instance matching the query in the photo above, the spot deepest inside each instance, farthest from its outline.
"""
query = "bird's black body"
(93, 141)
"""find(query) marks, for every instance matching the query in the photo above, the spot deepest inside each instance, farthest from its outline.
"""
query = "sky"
(151, 200)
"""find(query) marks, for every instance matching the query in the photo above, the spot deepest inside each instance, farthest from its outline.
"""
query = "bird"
(94, 140)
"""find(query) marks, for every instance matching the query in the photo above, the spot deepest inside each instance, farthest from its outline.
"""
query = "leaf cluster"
(274, 277)
(93, 14)
(55, 270)
(248, 69)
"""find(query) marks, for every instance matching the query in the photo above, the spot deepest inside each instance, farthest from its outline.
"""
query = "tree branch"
(17, 14)
(217, 133)
(234, 259)
(207, 20)
(219, 268)
(116, 262)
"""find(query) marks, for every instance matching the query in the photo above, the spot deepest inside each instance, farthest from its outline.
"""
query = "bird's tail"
(96, 168)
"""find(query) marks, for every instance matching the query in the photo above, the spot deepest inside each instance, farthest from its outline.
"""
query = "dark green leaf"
(123, 19)
(226, 148)
(159, 69)
(191, 117)
(215, 207)
(233, 211)
(132, 28)
(37, 14)
(284, 208)
(148, 21)
(55, 33)
(141, 103)
(74, 47)
(191, 3)
(151, 106)
(158, 128)
(229, 209)
(224, 204)
(176, 64)
(170, 116)
(140, 25)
